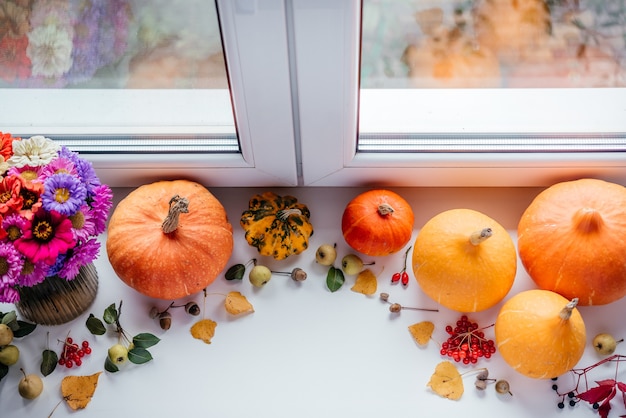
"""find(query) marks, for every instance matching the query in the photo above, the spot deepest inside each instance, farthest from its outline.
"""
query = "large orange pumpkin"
(377, 222)
(540, 334)
(572, 240)
(169, 239)
(464, 260)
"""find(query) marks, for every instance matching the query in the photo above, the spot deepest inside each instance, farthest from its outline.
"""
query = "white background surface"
(304, 352)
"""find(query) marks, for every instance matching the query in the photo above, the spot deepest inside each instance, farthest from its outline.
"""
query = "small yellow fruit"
(605, 344)
(259, 275)
(352, 264)
(9, 355)
(326, 254)
(30, 386)
(6, 335)
(118, 354)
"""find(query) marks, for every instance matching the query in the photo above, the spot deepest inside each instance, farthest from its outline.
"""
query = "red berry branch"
(466, 342)
(599, 396)
(402, 275)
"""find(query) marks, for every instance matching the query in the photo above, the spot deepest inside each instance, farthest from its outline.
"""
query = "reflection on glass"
(110, 44)
(493, 43)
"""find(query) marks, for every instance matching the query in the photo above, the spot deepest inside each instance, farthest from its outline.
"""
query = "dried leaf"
(422, 331)
(78, 390)
(446, 381)
(204, 330)
(365, 283)
(236, 304)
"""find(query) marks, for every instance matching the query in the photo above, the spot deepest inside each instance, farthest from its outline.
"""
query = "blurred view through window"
(110, 44)
(493, 43)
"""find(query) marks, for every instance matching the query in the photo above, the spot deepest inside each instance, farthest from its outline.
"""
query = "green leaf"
(145, 340)
(48, 362)
(334, 279)
(23, 328)
(235, 272)
(109, 366)
(4, 370)
(110, 314)
(9, 317)
(139, 355)
(95, 325)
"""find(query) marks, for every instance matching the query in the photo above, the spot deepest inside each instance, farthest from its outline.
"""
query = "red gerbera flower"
(48, 235)
(14, 63)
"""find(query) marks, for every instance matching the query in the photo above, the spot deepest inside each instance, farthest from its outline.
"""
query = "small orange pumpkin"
(377, 222)
(540, 334)
(464, 260)
(169, 239)
(572, 240)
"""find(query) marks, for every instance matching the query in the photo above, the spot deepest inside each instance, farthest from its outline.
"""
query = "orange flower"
(6, 145)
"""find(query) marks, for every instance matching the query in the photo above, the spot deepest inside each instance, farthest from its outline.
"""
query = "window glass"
(128, 68)
(493, 44)
(110, 44)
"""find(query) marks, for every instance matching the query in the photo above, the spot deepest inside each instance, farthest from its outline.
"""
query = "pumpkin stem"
(588, 220)
(566, 312)
(178, 205)
(480, 236)
(286, 213)
(385, 209)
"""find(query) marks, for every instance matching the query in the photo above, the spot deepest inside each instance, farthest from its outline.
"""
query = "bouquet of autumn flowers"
(52, 208)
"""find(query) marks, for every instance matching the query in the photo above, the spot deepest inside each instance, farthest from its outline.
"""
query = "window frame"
(330, 120)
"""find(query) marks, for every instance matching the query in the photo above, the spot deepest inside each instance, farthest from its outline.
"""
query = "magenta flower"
(10, 264)
(49, 235)
(33, 274)
(82, 255)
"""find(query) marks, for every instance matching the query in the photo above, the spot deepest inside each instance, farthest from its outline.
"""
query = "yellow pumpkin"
(464, 260)
(540, 334)
(277, 226)
(169, 239)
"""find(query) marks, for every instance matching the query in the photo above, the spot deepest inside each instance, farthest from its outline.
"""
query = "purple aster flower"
(81, 255)
(63, 193)
(33, 274)
(11, 264)
(84, 169)
(101, 204)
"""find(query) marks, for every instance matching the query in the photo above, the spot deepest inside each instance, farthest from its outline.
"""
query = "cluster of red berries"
(466, 342)
(72, 354)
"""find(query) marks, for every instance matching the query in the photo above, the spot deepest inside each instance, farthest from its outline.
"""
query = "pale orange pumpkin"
(540, 334)
(169, 239)
(572, 240)
(377, 222)
(464, 260)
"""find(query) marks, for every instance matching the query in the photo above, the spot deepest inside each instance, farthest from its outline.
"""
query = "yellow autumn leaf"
(447, 381)
(365, 283)
(78, 390)
(422, 331)
(236, 304)
(204, 330)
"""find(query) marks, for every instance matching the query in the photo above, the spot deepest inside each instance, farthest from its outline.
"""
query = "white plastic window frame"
(256, 48)
(330, 117)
